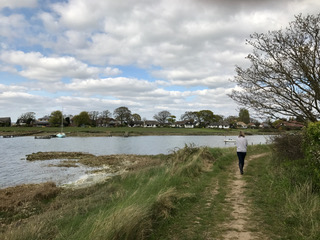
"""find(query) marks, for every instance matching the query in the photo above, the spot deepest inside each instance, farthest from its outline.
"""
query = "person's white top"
(242, 144)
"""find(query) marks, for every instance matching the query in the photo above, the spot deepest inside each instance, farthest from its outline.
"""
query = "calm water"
(16, 170)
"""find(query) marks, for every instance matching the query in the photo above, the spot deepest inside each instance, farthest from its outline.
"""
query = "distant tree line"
(122, 116)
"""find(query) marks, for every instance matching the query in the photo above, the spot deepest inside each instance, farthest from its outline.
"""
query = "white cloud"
(121, 87)
(73, 52)
(18, 3)
(12, 26)
(50, 69)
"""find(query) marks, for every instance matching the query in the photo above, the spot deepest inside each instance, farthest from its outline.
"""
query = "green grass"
(283, 199)
(183, 198)
(120, 131)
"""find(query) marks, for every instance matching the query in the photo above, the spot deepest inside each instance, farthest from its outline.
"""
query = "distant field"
(119, 131)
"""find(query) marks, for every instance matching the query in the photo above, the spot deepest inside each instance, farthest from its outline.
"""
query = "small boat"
(229, 140)
(42, 137)
(61, 135)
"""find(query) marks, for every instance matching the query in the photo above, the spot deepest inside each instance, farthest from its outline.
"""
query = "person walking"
(242, 144)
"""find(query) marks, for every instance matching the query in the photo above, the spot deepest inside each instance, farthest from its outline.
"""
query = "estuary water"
(16, 170)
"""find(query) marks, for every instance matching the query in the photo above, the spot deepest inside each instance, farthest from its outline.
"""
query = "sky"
(149, 56)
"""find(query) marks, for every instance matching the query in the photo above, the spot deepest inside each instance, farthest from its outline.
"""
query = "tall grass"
(127, 207)
(281, 188)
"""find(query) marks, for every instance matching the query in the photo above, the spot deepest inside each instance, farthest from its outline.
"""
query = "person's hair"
(241, 134)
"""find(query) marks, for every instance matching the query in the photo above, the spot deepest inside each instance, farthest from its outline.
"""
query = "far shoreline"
(128, 131)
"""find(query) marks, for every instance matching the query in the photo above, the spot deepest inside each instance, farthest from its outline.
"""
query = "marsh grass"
(129, 206)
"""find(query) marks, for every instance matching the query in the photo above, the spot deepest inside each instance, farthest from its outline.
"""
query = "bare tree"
(94, 117)
(27, 118)
(162, 116)
(284, 75)
(105, 114)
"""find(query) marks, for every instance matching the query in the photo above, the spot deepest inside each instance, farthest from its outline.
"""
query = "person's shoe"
(241, 172)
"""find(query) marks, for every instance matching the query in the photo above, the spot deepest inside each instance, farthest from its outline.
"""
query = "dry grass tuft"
(25, 200)
(165, 203)
(57, 155)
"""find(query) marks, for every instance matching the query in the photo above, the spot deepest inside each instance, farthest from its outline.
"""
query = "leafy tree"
(232, 121)
(172, 119)
(56, 118)
(244, 115)
(207, 117)
(136, 117)
(82, 119)
(27, 118)
(162, 116)
(122, 114)
(283, 78)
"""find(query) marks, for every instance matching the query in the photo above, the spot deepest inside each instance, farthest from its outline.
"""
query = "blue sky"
(93, 55)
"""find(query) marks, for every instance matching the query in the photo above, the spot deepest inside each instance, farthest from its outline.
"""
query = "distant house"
(183, 124)
(43, 122)
(291, 125)
(251, 125)
(241, 125)
(107, 122)
(5, 122)
(136, 124)
(151, 123)
(264, 125)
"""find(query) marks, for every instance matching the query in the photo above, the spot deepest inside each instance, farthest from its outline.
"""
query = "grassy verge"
(283, 198)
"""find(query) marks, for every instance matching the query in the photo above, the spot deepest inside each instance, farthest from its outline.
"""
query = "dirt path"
(239, 225)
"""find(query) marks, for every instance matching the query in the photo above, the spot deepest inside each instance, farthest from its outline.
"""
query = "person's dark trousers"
(241, 156)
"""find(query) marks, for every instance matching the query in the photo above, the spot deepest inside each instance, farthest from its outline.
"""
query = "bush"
(312, 151)
(288, 146)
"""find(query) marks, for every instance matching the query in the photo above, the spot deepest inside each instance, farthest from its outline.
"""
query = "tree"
(27, 118)
(244, 115)
(94, 117)
(172, 119)
(283, 78)
(162, 116)
(55, 119)
(136, 117)
(207, 117)
(82, 119)
(122, 114)
(232, 121)
(188, 116)
(106, 114)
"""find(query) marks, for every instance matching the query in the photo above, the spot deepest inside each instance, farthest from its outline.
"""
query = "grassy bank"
(283, 197)
(121, 131)
(183, 196)
(130, 206)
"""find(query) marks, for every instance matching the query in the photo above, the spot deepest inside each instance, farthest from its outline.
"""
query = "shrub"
(288, 146)
(312, 151)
